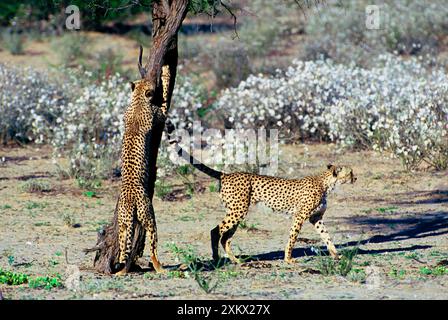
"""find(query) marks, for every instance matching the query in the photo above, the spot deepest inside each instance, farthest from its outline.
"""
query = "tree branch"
(171, 24)
(234, 19)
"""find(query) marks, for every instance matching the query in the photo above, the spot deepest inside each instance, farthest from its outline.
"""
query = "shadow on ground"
(429, 225)
(431, 197)
(412, 198)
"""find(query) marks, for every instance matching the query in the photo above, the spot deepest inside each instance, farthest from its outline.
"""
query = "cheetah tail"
(188, 157)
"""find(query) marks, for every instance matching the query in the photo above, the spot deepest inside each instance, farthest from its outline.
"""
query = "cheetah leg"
(145, 214)
(226, 239)
(226, 230)
(214, 235)
(125, 235)
(316, 220)
(294, 232)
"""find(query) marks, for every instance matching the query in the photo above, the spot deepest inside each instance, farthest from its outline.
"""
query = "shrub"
(30, 102)
(82, 119)
(409, 27)
(189, 259)
(327, 266)
(13, 41)
(261, 31)
(90, 126)
(230, 63)
(71, 48)
(36, 186)
(99, 12)
(190, 47)
(397, 106)
(12, 278)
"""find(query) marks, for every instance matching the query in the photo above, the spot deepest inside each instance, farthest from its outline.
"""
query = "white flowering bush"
(81, 119)
(29, 102)
(91, 126)
(398, 106)
(187, 102)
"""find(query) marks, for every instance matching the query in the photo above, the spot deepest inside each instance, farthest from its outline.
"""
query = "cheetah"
(304, 198)
(134, 201)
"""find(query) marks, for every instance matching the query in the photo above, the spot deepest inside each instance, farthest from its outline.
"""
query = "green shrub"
(72, 48)
(329, 266)
(230, 63)
(36, 186)
(97, 12)
(12, 278)
(13, 41)
(161, 188)
(192, 261)
(435, 271)
(45, 282)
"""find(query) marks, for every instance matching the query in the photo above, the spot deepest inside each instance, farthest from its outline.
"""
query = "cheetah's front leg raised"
(295, 229)
(316, 220)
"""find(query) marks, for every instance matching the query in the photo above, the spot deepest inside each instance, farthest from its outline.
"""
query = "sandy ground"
(399, 220)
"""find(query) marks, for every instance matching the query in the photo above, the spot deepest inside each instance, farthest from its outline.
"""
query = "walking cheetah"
(305, 198)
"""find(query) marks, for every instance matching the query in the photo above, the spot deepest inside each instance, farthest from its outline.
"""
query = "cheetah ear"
(336, 171)
(332, 169)
(132, 85)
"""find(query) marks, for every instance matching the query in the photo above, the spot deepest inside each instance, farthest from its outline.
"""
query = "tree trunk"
(167, 17)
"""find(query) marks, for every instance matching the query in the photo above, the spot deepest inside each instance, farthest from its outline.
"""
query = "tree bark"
(167, 17)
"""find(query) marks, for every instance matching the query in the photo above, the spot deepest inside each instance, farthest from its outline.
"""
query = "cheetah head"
(142, 89)
(342, 174)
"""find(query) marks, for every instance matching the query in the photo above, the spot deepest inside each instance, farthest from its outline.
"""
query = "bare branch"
(307, 4)
(234, 19)
(107, 9)
(140, 66)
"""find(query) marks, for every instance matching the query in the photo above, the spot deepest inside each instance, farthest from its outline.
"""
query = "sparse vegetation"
(387, 209)
(13, 41)
(162, 188)
(434, 271)
(249, 227)
(12, 278)
(397, 273)
(188, 257)
(36, 186)
(328, 266)
(71, 48)
(30, 205)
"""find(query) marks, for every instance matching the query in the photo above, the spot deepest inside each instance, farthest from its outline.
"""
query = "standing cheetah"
(140, 118)
(304, 198)
(134, 201)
